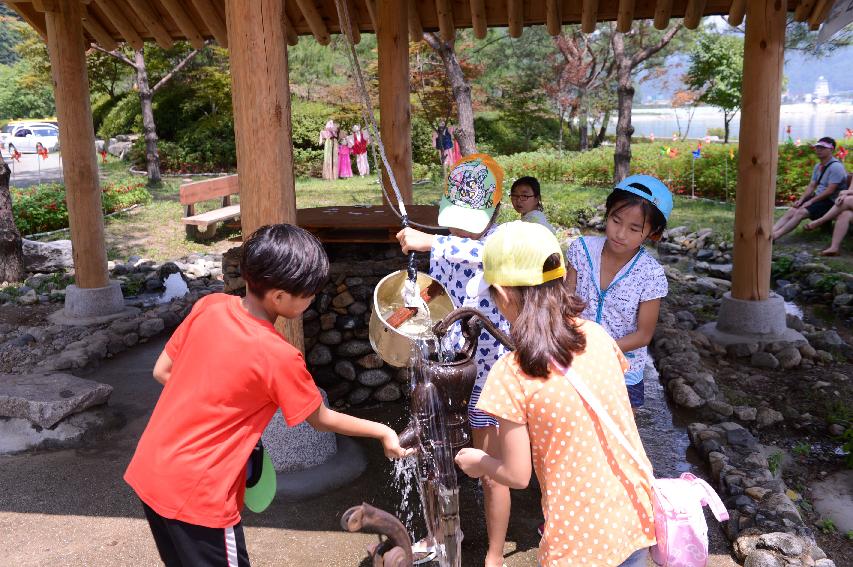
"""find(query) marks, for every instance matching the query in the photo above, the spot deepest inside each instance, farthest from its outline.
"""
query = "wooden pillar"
(395, 127)
(79, 161)
(758, 148)
(260, 90)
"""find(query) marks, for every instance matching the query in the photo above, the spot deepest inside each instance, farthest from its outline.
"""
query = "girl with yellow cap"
(595, 498)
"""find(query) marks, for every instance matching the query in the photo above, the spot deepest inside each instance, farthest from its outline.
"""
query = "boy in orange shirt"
(225, 371)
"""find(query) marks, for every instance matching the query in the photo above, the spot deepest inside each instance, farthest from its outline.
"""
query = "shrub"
(41, 208)
(125, 116)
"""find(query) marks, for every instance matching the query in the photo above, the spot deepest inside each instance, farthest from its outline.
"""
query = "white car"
(25, 137)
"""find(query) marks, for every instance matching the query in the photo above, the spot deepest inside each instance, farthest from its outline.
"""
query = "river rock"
(150, 327)
(330, 338)
(741, 350)
(721, 408)
(786, 544)
(320, 355)
(342, 300)
(47, 257)
(764, 360)
(28, 298)
(370, 361)
(388, 393)
(359, 395)
(807, 351)
(686, 397)
(349, 322)
(354, 348)
(789, 357)
(345, 369)
(374, 378)
(327, 321)
(745, 413)
(45, 399)
(767, 417)
(842, 300)
(826, 340)
(762, 558)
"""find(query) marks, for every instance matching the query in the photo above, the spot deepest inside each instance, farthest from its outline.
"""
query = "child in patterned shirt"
(469, 208)
(620, 282)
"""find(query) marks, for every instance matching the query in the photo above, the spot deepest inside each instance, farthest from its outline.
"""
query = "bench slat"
(214, 216)
(209, 189)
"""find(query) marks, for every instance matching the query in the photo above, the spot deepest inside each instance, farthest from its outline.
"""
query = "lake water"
(807, 121)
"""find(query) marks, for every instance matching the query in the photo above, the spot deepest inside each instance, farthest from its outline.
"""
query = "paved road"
(31, 169)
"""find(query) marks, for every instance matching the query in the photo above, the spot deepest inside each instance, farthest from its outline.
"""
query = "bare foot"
(812, 226)
(829, 252)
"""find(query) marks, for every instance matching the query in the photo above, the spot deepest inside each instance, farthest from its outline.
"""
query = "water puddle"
(175, 288)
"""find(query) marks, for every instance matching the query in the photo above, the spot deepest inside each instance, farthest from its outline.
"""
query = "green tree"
(716, 73)
(10, 23)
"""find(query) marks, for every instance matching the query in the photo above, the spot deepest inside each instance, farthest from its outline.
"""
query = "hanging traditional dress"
(329, 141)
(344, 160)
(359, 148)
(442, 140)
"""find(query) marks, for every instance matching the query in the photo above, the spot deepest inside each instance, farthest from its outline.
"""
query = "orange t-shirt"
(596, 501)
(230, 372)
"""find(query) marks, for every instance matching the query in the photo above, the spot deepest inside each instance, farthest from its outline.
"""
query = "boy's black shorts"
(817, 210)
(186, 545)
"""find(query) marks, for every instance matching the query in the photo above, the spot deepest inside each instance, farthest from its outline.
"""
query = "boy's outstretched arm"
(163, 368)
(325, 419)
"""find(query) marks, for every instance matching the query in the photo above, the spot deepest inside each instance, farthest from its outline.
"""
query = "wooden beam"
(444, 13)
(262, 122)
(819, 14)
(371, 11)
(355, 33)
(626, 16)
(737, 11)
(79, 164)
(28, 13)
(152, 20)
(763, 58)
(663, 11)
(184, 22)
(45, 5)
(97, 31)
(803, 10)
(515, 17)
(693, 13)
(210, 16)
(290, 32)
(314, 20)
(394, 109)
(589, 15)
(478, 18)
(554, 16)
(416, 30)
(113, 12)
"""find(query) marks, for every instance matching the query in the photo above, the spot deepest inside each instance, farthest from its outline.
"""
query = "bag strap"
(708, 496)
(607, 421)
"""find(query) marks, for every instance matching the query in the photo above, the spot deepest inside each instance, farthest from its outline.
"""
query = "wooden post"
(759, 148)
(394, 112)
(79, 163)
(261, 97)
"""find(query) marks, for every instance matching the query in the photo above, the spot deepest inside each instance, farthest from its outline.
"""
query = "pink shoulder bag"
(680, 527)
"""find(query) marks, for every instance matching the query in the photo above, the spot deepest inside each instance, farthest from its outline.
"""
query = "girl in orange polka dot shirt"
(595, 499)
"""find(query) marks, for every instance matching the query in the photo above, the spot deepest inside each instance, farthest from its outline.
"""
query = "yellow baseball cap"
(515, 252)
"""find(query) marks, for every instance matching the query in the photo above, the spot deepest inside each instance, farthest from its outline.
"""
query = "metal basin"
(396, 347)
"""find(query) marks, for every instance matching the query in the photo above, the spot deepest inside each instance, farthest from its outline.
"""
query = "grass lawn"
(155, 231)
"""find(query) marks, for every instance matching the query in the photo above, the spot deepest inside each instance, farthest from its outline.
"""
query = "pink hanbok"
(344, 161)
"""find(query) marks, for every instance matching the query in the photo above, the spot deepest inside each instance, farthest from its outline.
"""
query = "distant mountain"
(8, 36)
(801, 73)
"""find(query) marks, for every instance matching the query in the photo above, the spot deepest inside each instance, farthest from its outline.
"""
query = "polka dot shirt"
(595, 499)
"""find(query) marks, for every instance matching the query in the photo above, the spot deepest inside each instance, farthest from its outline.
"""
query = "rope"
(370, 120)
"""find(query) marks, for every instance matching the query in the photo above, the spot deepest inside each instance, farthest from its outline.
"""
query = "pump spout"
(410, 436)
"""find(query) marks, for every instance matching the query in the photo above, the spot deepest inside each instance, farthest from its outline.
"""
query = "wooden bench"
(203, 226)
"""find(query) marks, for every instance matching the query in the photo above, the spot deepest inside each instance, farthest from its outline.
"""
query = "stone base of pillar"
(742, 321)
(309, 462)
(92, 306)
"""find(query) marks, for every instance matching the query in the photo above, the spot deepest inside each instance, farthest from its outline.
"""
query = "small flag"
(17, 155)
(674, 137)
(731, 153)
(103, 155)
(672, 152)
(848, 133)
(842, 153)
(664, 150)
(41, 150)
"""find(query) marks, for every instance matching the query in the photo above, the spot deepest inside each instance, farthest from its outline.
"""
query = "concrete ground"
(32, 169)
(71, 507)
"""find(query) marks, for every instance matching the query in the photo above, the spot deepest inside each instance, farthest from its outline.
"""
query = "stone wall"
(337, 346)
